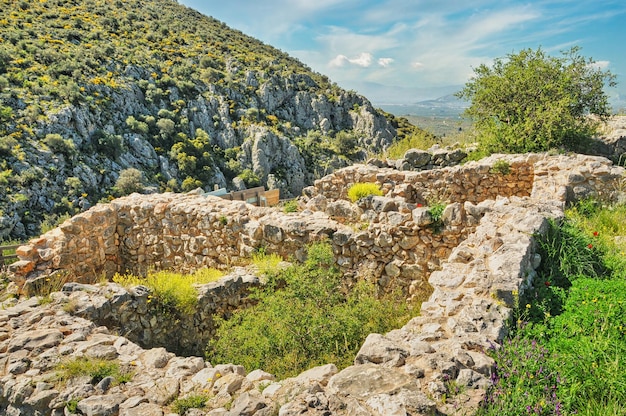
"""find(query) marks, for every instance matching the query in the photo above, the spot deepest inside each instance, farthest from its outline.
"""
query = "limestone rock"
(343, 210)
(107, 405)
(378, 349)
(362, 381)
(417, 158)
(156, 357)
(247, 404)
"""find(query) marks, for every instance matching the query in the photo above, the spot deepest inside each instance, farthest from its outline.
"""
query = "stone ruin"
(480, 255)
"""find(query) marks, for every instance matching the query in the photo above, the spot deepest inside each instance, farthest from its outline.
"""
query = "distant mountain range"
(447, 106)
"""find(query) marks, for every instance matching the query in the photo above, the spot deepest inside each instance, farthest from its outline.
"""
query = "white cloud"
(338, 61)
(418, 43)
(601, 65)
(385, 62)
(364, 59)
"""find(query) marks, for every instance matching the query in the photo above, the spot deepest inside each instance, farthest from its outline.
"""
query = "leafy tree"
(129, 181)
(534, 102)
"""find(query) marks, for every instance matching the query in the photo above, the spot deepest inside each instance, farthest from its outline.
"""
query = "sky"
(404, 51)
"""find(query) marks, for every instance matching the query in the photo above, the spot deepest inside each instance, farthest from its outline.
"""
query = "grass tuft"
(194, 401)
(266, 264)
(361, 190)
(95, 368)
(172, 290)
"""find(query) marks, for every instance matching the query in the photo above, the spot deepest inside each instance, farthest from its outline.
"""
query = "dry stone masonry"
(474, 262)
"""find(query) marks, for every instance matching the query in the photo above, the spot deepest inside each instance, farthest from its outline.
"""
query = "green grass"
(172, 290)
(266, 264)
(97, 369)
(567, 348)
(290, 206)
(194, 401)
(417, 141)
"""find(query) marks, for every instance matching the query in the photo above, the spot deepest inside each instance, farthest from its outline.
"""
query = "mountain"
(99, 98)
(447, 106)
(384, 95)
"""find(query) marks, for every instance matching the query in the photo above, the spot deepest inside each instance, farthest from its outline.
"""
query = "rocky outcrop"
(199, 112)
(406, 371)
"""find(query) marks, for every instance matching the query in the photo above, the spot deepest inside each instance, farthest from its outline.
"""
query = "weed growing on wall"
(95, 368)
(435, 209)
(290, 206)
(303, 319)
(361, 190)
(172, 291)
(501, 167)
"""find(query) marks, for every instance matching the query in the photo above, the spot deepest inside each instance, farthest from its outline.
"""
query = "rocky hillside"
(93, 88)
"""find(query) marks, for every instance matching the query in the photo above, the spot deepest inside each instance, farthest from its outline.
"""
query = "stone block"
(22, 267)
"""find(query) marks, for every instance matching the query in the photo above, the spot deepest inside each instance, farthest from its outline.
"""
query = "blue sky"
(402, 51)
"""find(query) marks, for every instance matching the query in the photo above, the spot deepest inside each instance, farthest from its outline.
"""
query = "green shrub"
(72, 405)
(435, 209)
(189, 184)
(250, 178)
(422, 140)
(346, 143)
(290, 206)
(5, 175)
(109, 144)
(129, 181)
(363, 189)
(194, 401)
(172, 291)
(136, 125)
(7, 144)
(58, 144)
(266, 264)
(550, 107)
(51, 221)
(302, 318)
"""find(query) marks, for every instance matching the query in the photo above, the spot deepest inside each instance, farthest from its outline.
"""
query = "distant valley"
(441, 116)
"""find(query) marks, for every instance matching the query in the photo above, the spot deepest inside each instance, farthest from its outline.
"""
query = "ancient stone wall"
(149, 325)
(479, 257)
(391, 239)
(473, 182)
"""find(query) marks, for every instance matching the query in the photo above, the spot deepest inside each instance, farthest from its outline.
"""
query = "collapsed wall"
(484, 253)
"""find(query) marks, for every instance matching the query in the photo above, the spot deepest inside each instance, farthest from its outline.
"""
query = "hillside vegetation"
(90, 89)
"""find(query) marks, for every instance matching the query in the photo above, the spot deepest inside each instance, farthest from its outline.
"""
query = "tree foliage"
(531, 101)
(129, 181)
